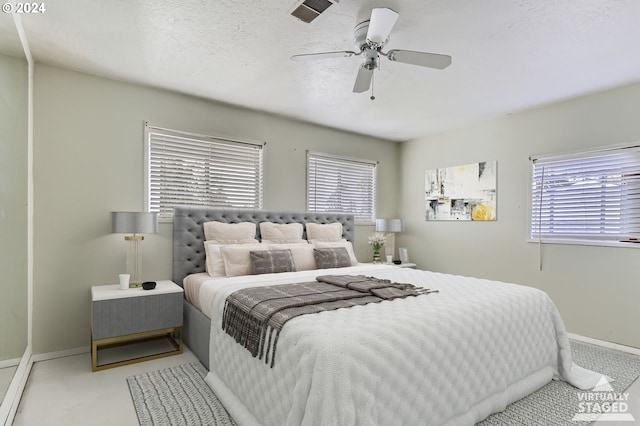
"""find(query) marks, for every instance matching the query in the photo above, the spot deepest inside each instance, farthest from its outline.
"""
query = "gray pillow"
(271, 261)
(334, 257)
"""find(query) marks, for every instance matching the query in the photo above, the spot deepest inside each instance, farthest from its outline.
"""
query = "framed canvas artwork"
(466, 192)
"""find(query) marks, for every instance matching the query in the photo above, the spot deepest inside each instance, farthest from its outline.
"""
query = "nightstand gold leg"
(135, 338)
(94, 355)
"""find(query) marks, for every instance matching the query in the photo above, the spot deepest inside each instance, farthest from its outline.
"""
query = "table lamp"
(134, 223)
(390, 227)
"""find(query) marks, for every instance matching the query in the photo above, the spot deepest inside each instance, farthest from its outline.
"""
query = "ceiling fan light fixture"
(380, 25)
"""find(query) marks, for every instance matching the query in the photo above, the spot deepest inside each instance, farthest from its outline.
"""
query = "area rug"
(179, 395)
(558, 403)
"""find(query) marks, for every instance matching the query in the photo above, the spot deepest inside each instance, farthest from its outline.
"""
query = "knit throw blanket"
(255, 316)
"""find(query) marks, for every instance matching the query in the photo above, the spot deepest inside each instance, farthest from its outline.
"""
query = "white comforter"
(448, 358)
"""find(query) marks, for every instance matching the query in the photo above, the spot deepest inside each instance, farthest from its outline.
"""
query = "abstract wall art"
(465, 192)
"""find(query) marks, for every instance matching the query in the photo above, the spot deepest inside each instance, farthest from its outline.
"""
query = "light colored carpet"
(180, 396)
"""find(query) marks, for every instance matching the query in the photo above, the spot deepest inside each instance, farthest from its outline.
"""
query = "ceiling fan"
(370, 37)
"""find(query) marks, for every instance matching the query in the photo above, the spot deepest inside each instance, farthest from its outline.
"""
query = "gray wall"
(13, 207)
(596, 288)
(88, 161)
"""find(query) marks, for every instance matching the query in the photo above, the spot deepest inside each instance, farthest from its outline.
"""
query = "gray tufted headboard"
(188, 233)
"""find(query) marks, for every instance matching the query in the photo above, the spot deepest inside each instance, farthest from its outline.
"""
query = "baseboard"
(60, 354)
(48, 355)
(10, 362)
(9, 405)
(605, 344)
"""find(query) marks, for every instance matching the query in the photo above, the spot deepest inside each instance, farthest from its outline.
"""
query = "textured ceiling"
(508, 55)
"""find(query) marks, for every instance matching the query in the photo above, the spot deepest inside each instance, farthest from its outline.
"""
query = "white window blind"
(587, 196)
(187, 169)
(345, 185)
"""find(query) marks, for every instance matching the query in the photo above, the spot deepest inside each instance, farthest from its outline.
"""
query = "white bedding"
(448, 358)
(200, 289)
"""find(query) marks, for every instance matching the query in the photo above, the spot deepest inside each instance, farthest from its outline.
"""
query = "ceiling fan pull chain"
(373, 98)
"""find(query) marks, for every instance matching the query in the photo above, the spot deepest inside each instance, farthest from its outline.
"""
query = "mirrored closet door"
(13, 204)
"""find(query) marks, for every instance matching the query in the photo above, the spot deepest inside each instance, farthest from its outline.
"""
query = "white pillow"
(237, 260)
(303, 257)
(324, 232)
(226, 242)
(300, 241)
(229, 233)
(343, 243)
(214, 261)
(283, 232)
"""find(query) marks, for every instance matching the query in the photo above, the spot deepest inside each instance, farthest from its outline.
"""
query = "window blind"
(587, 196)
(187, 169)
(337, 184)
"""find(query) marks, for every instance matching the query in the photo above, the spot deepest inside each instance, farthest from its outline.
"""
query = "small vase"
(376, 255)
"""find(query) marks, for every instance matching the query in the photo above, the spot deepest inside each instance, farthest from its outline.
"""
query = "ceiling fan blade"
(323, 55)
(380, 25)
(363, 79)
(424, 59)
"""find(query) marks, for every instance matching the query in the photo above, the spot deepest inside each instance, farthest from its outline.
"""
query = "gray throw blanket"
(251, 315)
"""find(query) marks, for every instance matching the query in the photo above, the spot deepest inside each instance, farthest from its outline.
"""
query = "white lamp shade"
(134, 222)
(389, 225)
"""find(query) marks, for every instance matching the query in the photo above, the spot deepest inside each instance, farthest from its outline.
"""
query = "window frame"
(339, 158)
(148, 129)
(601, 240)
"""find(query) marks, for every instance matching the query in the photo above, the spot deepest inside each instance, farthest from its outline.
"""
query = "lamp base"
(390, 245)
(134, 260)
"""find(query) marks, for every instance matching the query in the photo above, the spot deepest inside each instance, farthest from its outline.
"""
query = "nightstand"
(120, 317)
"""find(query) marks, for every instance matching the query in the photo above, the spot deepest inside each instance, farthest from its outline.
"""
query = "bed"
(449, 358)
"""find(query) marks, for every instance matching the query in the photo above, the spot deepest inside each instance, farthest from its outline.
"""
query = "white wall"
(88, 161)
(597, 289)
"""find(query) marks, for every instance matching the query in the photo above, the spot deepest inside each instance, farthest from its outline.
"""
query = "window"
(586, 196)
(345, 185)
(187, 169)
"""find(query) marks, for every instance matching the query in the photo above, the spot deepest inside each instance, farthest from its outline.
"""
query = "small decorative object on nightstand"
(120, 317)
(376, 241)
(148, 285)
(404, 255)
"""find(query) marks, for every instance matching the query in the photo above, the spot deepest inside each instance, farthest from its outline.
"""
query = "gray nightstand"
(128, 316)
